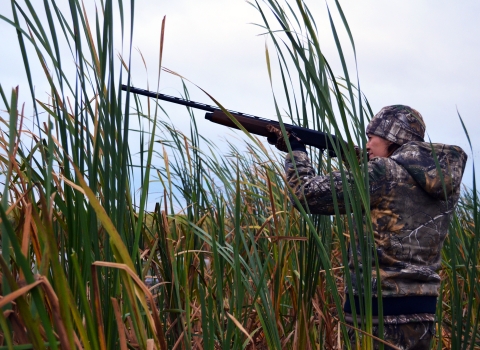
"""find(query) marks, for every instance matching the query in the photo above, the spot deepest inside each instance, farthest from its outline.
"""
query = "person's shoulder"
(376, 167)
(387, 169)
(382, 162)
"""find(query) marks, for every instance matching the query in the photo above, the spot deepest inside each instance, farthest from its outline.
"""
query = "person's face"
(377, 146)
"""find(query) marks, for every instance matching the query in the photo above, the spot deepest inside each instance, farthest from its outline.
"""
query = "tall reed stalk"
(85, 265)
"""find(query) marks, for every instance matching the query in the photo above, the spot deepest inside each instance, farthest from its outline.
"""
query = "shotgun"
(251, 123)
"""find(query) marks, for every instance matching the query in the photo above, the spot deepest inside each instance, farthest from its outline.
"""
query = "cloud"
(423, 53)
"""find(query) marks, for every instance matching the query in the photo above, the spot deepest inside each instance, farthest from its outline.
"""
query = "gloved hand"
(277, 139)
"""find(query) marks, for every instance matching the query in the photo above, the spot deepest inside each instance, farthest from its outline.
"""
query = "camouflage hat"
(398, 124)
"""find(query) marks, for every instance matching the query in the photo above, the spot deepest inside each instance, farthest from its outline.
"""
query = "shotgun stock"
(252, 124)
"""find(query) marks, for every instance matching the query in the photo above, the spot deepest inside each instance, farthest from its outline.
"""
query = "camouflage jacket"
(409, 211)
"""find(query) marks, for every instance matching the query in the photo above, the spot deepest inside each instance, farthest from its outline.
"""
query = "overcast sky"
(425, 54)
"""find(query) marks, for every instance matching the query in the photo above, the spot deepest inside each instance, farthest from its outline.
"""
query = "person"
(414, 187)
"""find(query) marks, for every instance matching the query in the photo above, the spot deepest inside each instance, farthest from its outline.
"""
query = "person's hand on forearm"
(278, 140)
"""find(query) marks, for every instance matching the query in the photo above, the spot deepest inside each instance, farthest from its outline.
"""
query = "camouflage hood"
(429, 163)
(398, 123)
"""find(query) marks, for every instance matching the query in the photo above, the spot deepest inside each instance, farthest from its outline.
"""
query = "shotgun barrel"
(253, 124)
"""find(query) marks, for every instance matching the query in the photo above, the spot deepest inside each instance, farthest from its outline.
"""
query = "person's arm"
(315, 193)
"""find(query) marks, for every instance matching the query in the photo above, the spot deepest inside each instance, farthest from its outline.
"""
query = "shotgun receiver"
(251, 123)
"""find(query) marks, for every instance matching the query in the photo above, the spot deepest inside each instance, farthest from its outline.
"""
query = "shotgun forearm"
(252, 124)
(258, 126)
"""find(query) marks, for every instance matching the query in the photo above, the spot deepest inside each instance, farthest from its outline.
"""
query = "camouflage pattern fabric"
(415, 335)
(409, 212)
(399, 124)
(400, 319)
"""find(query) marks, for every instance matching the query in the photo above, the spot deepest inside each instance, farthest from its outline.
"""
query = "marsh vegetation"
(237, 267)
